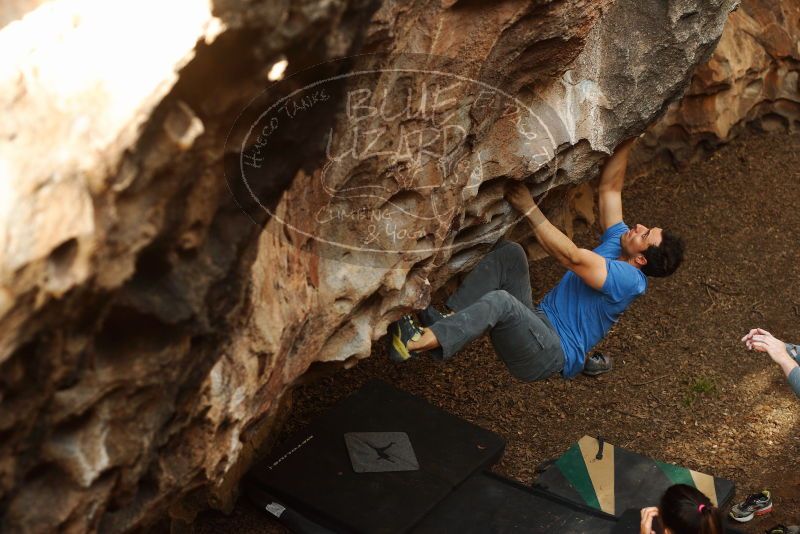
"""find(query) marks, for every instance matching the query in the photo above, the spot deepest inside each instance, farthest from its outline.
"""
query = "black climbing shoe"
(401, 332)
(597, 364)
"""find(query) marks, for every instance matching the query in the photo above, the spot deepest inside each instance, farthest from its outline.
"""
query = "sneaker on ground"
(783, 529)
(401, 332)
(597, 364)
(754, 505)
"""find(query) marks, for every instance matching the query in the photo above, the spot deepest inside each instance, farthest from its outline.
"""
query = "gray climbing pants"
(496, 296)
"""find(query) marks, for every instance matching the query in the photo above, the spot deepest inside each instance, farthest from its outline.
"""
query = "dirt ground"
(684, 390)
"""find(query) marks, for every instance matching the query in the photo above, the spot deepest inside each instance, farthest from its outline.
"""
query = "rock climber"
(537, 341)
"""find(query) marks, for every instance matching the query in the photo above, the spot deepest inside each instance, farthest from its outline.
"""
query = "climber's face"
(639, 238)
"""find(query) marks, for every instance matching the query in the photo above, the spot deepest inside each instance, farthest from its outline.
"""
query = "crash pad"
(618, 479)
(313, 474)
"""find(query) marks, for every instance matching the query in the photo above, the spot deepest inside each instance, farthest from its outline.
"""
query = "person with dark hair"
(662, 260)
(537, 341)
(683, 510)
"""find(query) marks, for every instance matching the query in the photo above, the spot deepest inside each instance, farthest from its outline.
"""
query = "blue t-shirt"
(581, 315)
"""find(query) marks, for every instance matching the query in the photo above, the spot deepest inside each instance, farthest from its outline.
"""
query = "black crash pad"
(622, 479)
(312, 474)
(488, 503)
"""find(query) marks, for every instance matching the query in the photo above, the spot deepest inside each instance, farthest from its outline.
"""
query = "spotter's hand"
(762, 341)
(748, 338)
(518, 196)
(646, 525)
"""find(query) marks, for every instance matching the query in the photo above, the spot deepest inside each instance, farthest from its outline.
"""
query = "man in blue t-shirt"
(537, 341)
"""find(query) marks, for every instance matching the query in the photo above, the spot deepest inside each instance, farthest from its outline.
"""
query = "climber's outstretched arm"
(590, 266)
(612, 180)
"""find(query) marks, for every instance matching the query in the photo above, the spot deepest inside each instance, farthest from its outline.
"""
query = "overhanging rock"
(150, 329)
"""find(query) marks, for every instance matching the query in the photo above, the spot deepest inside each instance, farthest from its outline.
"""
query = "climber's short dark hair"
(664, 259)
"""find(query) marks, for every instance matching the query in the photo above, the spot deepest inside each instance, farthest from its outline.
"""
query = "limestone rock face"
(149, 328)
(752, 79)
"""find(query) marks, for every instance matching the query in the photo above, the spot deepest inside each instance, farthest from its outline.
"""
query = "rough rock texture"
(150, 329)
(752, 79)
(16, 9)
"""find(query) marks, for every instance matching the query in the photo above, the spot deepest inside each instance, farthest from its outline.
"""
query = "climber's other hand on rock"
(518, 196)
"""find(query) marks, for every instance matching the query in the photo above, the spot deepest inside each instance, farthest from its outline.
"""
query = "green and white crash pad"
(618, 479)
